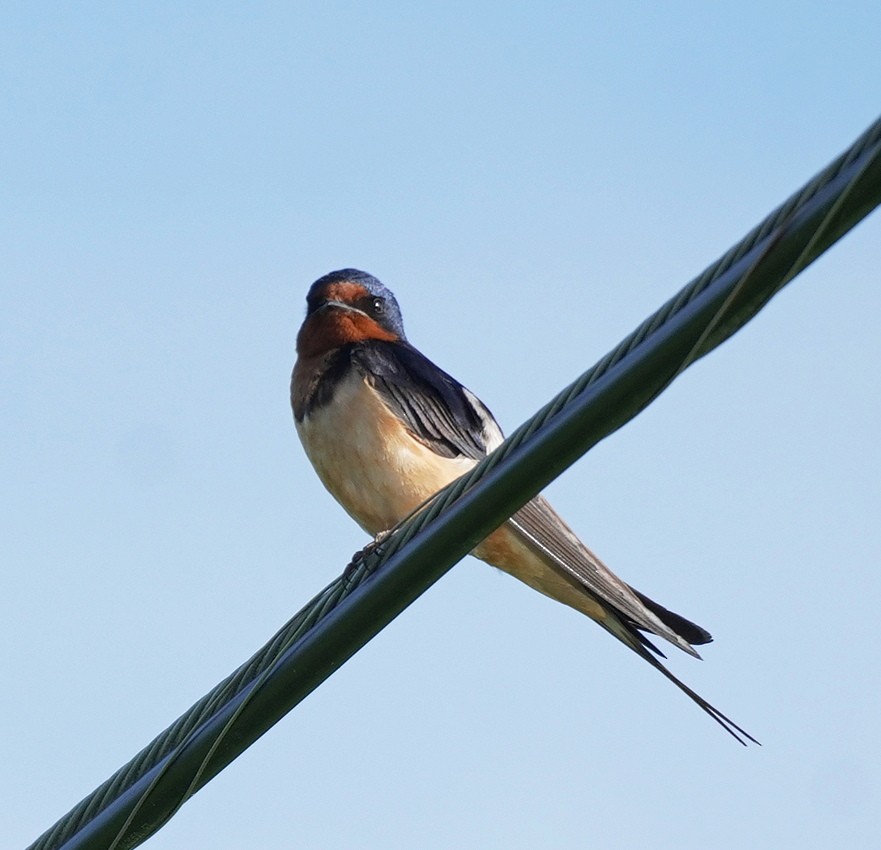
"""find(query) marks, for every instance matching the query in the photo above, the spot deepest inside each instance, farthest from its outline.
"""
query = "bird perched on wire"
(385, 429)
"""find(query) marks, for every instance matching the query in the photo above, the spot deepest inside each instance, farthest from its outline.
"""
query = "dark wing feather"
(540, 525)
(436, 408)
(692, 632)
(451, 421)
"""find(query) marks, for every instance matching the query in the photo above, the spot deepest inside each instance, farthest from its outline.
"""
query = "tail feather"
(627, 634)
(737, 732)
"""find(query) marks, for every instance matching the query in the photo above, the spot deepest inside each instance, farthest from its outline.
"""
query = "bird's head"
(348, 306)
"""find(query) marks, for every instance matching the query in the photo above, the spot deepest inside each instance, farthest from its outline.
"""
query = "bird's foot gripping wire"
(359, 559)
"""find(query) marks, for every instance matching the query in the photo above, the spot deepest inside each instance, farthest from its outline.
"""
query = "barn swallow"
(385, 429)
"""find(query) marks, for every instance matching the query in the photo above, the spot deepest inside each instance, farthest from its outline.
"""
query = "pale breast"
(368, 460)
(379, 473)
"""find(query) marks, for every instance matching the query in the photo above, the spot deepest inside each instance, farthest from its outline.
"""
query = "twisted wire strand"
(172, 738)
(248, 677)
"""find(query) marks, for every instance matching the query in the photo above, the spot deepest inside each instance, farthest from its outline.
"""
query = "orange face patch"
(345, 291)
(331, 328)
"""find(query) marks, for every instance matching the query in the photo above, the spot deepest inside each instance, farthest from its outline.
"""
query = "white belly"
(368, 460)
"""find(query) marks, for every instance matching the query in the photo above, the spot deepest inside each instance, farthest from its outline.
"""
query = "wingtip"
(687, 647)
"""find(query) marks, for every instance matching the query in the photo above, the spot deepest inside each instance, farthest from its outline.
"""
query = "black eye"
(372, 305)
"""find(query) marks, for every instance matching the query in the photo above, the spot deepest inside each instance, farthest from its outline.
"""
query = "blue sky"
(531, 181)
